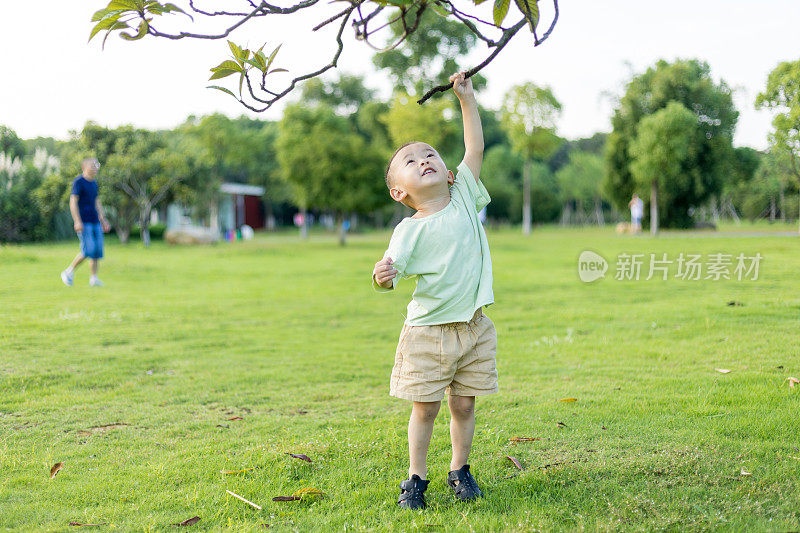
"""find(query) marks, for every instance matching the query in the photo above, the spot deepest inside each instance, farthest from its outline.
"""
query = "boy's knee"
(462, 406)
(425, 411)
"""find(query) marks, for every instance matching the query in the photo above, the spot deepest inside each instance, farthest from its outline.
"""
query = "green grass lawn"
(133, 387)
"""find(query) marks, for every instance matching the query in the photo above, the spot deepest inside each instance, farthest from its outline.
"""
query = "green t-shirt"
(448, 254)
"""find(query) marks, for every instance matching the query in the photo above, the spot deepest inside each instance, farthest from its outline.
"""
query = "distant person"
(447, 345)
(637, 210)
(89, 221)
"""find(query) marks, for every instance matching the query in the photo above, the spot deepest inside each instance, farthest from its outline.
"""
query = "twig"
(244, 500)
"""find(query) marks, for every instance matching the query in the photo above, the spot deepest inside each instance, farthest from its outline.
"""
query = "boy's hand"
(78, 226)
(462, 86)
(384, 272)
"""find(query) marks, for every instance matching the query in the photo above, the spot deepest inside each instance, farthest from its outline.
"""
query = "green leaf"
(229, 65)
(117, 26)
(104, 24)
(529, 8)
(127, 5)
(222, 73)
(143, 27)
(235, 50)
(256, 63)
(169, 8)
(223, 89)
(277, 70)
(500, 11)
(107, 13)
(273, 54)
(439, 10)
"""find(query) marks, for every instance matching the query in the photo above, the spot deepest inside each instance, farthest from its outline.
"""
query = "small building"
(240, 204)
(237, 204)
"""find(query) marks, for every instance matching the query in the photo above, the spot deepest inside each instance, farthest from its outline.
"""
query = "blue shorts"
(91, 240)
(636, 220)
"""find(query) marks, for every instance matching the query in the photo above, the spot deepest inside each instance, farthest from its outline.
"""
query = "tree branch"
(507, 35)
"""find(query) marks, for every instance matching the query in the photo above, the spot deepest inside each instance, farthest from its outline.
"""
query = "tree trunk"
(781, 204)
(304, 225)
(526, 198)
(598, 212)
(715, 210)
(269, 215)
(654, 208)
(379, 218)
(771, 209)
(566, 213)
(123, 234)
(732, 210)
(144, 223)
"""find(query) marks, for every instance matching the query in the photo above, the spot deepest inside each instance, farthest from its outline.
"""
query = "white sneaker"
(67, 278)
(94, 282)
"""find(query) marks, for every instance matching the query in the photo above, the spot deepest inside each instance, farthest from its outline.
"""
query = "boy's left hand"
(462, 85)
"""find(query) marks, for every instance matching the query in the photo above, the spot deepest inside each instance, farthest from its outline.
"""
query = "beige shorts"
(456, 358)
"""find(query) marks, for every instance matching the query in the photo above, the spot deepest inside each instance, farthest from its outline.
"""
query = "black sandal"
(467, 487)
(412, 493)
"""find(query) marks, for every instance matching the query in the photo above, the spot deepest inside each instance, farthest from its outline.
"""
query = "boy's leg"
(93, 263)
(420, 429)
(462, 428)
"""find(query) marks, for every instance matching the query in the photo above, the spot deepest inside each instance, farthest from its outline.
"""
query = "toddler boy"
(447, 344)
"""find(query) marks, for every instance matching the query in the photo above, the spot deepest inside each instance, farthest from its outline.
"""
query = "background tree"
(661, 152)
(782, 95)
(770, 191)
(529, 117)
(736, 184)
(10, 144)
(143, 168)
(580, 184)
(689, 83)
(328, 164)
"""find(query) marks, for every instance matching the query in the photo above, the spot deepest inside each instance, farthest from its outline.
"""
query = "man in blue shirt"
(90, 222)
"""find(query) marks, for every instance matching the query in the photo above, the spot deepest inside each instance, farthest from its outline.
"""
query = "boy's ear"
(397, 195)
(451, 179)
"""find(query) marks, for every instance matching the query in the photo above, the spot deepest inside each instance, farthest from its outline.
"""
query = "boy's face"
(418, 174)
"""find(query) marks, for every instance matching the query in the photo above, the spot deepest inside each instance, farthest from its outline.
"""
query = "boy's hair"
(388, 177)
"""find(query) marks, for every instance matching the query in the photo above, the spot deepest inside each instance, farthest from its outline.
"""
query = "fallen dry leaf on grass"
(55, 469)
(722, 370)
(286, 498)
(745, 473)
(189, 522)
(308, 492)
(248, 502)
(514, 460)
(561, 425)
(524, 439)
(236, 418)
(568, 400)
(301, 456)
(90, 525)
(792, 381)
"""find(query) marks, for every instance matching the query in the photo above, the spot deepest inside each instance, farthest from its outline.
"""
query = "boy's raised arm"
(473, 132)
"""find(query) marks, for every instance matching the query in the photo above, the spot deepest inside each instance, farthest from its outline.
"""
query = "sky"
(53, 80)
